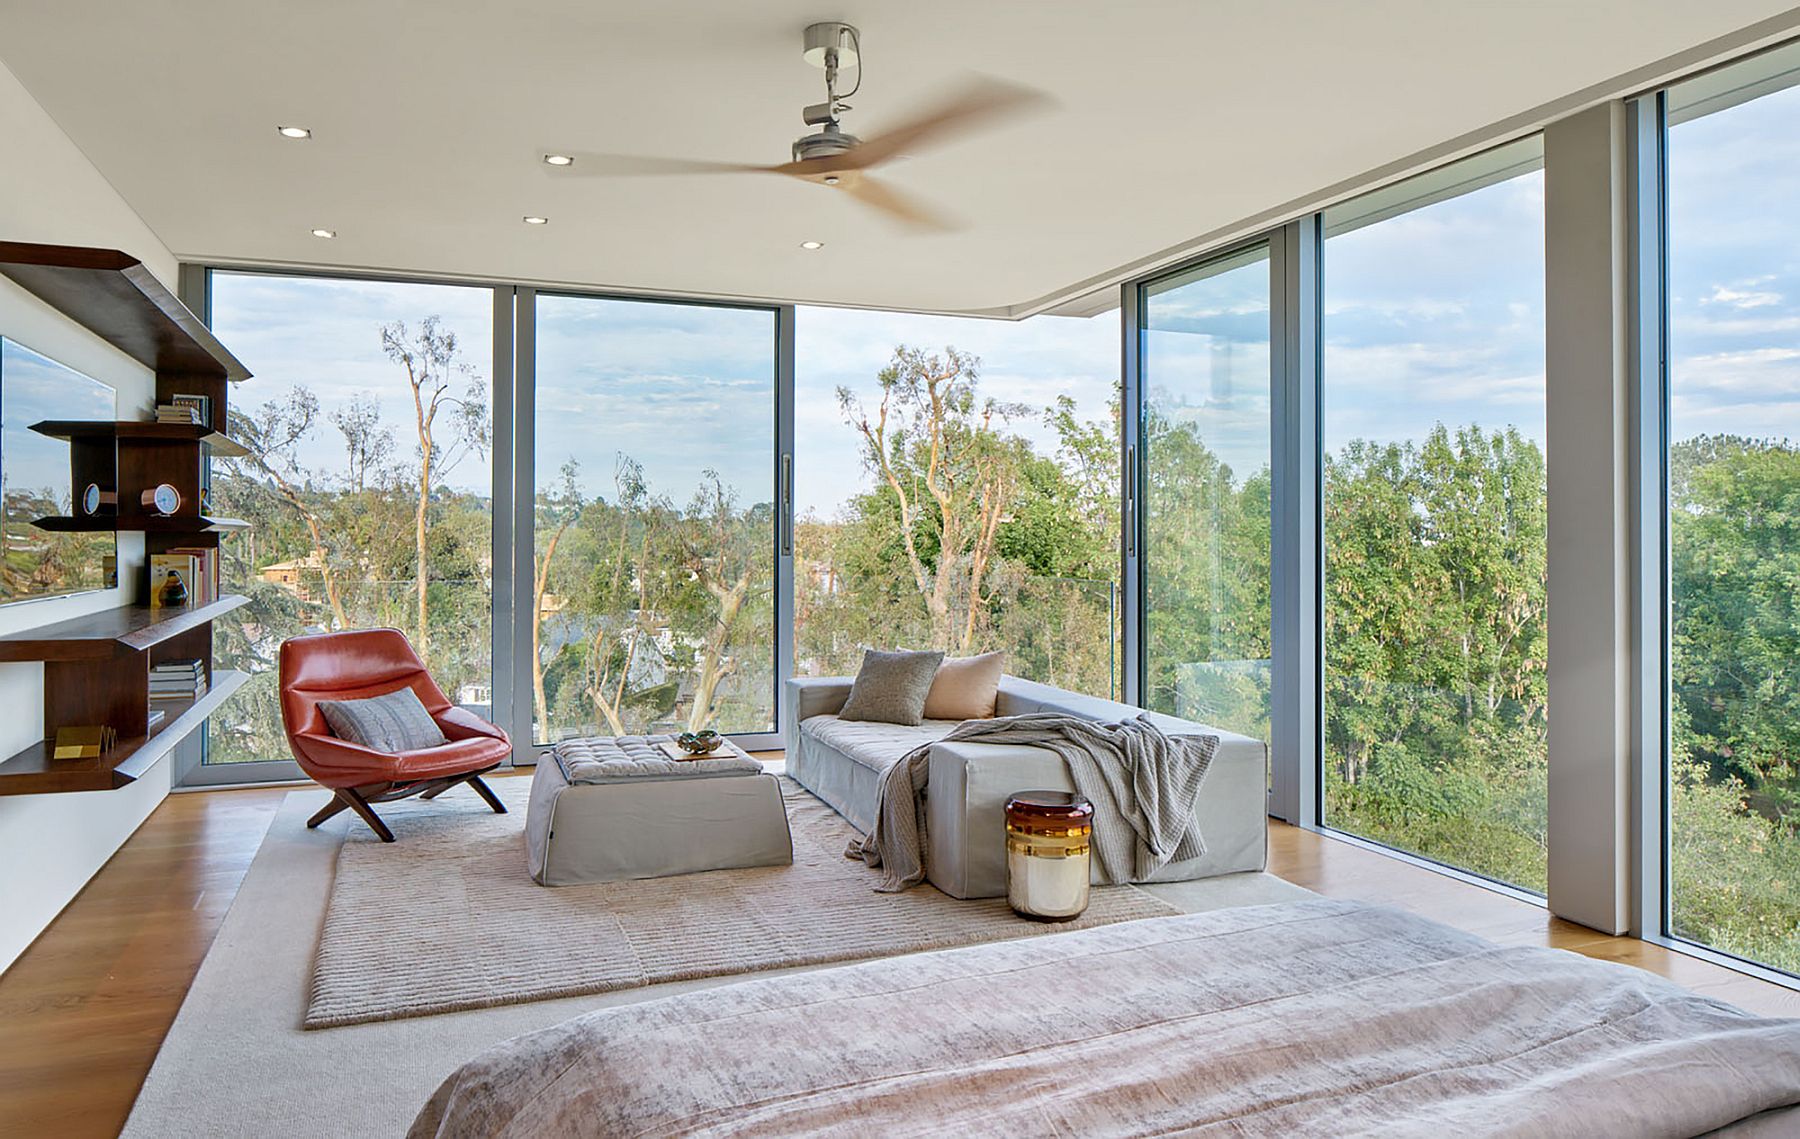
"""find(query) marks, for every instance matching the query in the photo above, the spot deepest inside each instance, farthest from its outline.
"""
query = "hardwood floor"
(83, 1012)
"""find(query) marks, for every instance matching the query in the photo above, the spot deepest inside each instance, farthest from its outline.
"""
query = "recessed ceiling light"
(812, 245)
(294, 132)
(324, 233)
(559, 159)
(831, 179)
(533, 220)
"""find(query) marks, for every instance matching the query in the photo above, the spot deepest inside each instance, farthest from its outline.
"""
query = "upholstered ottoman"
(609, 808)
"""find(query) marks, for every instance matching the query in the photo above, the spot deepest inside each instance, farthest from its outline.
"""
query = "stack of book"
(185, 409)
(198, 568)
(177, 680)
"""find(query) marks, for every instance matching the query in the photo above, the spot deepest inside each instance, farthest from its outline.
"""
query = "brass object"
(86, 742)
(1049, 850)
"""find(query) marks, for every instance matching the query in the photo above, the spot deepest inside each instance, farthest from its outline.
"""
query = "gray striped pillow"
(392, 722)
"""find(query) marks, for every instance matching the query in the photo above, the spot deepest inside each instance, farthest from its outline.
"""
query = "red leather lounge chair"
(372, 662)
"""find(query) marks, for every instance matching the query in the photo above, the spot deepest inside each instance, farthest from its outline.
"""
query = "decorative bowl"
(699, 743)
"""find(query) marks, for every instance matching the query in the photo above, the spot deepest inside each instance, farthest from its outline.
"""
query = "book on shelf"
(196, 566)
(178, 680)
(170, 413)
(200, 405)
(155, 717)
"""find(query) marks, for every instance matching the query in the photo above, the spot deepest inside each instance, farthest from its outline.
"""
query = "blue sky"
(1437, 315)
(1734, 270)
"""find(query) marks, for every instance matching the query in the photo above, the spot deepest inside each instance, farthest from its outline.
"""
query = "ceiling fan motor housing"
(828, 143)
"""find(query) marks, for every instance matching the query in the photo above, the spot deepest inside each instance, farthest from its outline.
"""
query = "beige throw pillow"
(965, 688)
(891, 687)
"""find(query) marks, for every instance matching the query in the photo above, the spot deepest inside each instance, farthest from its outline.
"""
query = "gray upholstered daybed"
(841, 762)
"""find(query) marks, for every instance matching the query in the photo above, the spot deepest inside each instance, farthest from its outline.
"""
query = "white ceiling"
(1175, 119)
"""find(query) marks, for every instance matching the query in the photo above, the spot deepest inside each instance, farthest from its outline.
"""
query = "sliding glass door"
(367, 486)
(1434, 516)
(653, 604)
(1205, 370)
(1733, 327)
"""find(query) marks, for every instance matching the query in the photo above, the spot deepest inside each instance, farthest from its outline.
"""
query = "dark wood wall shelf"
(145, 523)
(223, 446)
(113, 295)
(97, 636)
(33, 772)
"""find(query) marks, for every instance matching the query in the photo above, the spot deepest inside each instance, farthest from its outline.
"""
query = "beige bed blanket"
(1314, 1018)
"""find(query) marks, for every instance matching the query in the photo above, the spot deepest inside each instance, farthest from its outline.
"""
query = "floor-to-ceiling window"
(1733, 169)
(1205, 499)
(653, 602)
(367, 485)
(956, 486)
(1432, 411)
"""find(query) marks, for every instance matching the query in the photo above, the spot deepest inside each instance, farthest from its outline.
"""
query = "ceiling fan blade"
(590, 165)
(892, 202)
(981, 102)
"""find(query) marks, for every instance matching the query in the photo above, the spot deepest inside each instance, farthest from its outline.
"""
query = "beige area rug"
(447, 918)
(236, 1062)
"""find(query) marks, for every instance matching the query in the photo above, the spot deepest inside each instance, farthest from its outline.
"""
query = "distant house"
(301, 577)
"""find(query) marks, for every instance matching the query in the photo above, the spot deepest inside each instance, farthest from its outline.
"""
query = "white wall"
(50, 845)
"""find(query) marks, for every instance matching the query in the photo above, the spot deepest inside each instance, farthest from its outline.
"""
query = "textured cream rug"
(447, 918)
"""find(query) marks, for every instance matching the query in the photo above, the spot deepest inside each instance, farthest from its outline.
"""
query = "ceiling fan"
(831, 156)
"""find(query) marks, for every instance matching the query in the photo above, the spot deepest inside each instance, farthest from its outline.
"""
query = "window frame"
(513, 389)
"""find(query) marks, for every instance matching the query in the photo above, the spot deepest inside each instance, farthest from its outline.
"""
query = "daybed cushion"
(891, 687)
(863, 751)
(965, 688)
(1313, 1018)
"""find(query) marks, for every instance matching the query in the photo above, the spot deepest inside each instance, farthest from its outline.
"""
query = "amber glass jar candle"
(1048, 850)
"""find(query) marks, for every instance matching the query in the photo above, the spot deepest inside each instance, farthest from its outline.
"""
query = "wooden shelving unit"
(97, 667)
(220, 444)
(147, 523)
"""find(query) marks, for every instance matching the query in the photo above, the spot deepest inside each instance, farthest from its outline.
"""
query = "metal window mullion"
(522, 555)
(503, 603)
(785, 606)
(1296, 547)
(1649, 449)
(1133, 664)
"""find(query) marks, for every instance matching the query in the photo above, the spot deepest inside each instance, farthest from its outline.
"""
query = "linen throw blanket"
(1313, 1018)
(1141, 782)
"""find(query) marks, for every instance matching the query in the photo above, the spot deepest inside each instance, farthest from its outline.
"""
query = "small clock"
(93, 499)
(162, 498)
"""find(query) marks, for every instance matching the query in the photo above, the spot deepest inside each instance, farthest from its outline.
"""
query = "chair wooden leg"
(337, 804)
(487, 793)
(439, 789)
(360, 805)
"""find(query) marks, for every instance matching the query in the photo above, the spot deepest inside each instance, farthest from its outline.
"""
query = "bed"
(1319, 1017)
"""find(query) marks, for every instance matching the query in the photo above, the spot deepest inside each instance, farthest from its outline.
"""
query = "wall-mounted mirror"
(35, 479)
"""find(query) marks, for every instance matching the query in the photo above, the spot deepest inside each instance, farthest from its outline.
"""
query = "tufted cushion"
(891, 687)
(616, 759)
(392, 722)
